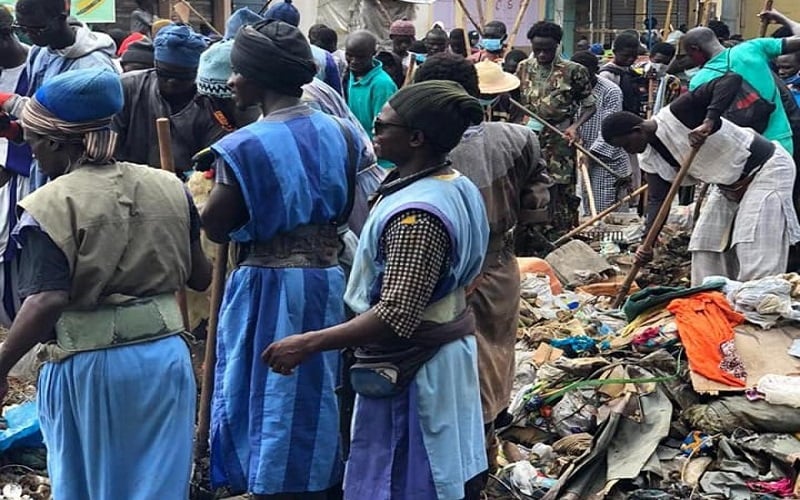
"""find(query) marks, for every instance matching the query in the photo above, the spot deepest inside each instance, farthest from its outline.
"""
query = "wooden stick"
(554, 129)
(706, 12)
(668, 21)
(264, 7)
(698, 204)
(165, 145)
(481, 17)
(462, 26)
(655, 229)
(168, 164)
(765, 22)
(200, 16)
(490, 7)
(599, 216)
(210, 357)
(651, 89)
(517, 22)
(412, 62)
(467, 45)
(478, 27)
(587, 183)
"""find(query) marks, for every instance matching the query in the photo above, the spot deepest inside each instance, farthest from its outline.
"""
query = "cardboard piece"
(574, 259)
(762, 351)
(546, 353)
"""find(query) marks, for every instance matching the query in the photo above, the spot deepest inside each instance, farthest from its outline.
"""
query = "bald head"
(701, 40)
(362, 39)
(359, 50)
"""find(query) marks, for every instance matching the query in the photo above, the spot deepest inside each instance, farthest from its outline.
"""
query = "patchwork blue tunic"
(273, 433)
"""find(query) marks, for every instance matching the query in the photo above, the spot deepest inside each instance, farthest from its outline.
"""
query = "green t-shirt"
(751, 60)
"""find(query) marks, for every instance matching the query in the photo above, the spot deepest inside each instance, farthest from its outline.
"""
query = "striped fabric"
(322, 97)
(16, 160)
(272, 433)
(608, 97)
(96, 135)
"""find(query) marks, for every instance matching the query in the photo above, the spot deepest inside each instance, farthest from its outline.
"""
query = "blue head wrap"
(285, 12)
(242, 17)
(77, 106)
(82, 95)
(179, 45)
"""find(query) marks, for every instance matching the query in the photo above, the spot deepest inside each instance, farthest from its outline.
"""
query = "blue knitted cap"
(285, 12)
(82, 95)
(179, 45)
(214, 70)
(242, 17)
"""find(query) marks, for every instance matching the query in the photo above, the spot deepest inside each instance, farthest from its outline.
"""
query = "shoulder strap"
(662, 150)
(352, 168)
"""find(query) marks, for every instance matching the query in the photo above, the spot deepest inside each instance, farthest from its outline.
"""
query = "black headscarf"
(441, 109)
(274, 54)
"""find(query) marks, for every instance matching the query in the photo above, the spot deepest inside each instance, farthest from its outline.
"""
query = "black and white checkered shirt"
(416, 247)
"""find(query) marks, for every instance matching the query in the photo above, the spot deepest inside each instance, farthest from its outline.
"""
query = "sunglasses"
(32, 30)
(381, 126)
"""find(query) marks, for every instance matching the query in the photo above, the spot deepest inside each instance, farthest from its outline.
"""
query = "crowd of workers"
(375, 197)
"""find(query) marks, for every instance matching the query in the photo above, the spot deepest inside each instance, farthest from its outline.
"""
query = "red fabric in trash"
(705, 325)
(781, 488)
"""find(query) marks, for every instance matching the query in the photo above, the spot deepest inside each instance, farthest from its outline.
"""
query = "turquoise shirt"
(751, 60)
(367, 95)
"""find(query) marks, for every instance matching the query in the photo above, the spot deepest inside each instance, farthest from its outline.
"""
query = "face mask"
(492, 44)
(535, 125)
(488, 102)
(420, 58)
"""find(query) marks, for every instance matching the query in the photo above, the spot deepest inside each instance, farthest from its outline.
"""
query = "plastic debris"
(780, 390)
(23, 427)
(697, 444)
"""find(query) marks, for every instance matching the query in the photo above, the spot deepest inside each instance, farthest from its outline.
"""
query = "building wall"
(124, 8)
(749, 21)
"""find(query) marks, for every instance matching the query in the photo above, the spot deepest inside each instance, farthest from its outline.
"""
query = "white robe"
(745, 240)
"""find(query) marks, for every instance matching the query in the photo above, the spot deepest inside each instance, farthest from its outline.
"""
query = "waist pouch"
(385, 370)
(384, 374)
(108, 326)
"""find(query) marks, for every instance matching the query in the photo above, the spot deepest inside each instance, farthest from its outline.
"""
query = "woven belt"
(303, 247)
(108, 326)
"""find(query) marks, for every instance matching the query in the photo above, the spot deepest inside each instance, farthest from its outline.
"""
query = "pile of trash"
(656, 400)
(23, 459)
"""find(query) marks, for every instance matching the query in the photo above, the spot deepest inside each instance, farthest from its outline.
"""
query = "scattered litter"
(780, 390)
(13, 491)
(606, 406)
(697, 444)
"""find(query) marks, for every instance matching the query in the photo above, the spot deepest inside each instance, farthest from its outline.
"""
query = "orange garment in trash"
(705, 325)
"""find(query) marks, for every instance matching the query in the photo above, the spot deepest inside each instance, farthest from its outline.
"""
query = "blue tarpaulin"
(23, 427)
